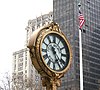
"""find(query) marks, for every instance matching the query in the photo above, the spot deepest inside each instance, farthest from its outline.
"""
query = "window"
(20, 59)
(15, 56)
(25, 76)
(20, 55)
(25, 80)
(15, 67)
(20, 68)
(25, 71)
(25, 63)
(20, 64)
(20, 73)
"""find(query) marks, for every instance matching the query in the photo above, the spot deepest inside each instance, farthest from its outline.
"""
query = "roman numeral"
(45, 43)
(45, 56)
(59, 65)
(64, 55)
(49, 39)
(62, 61)
(54, 39)
(54, 66)
(62, 48)
(48, 63)
(58, 42)
(44, 50)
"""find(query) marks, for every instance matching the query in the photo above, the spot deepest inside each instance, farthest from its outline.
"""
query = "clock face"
(55, 52)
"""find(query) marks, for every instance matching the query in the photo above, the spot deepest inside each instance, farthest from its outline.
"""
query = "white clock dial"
(55, 52)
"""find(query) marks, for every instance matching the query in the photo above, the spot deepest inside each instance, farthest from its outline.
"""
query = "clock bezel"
(66, 41)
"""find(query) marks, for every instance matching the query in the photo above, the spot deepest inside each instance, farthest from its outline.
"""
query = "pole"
(80, 51)
(81, 63)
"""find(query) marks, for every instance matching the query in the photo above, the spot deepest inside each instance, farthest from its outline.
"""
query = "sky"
(14, 16)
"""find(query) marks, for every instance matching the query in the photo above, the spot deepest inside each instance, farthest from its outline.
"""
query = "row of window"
(90, 86)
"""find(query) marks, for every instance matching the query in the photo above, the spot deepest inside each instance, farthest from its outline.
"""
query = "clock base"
(51, 83)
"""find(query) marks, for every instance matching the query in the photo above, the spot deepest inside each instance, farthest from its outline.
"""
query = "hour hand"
(53, 50)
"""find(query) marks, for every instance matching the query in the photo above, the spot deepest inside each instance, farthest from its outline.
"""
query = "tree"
(17, 82)
(22, 83)
(6, 82)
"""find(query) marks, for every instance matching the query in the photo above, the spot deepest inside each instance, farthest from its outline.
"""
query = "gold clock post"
(50, 54)
(51, 84)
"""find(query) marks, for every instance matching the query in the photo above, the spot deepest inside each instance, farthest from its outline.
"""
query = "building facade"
(65, 13)
(37, 23)
(24, 75)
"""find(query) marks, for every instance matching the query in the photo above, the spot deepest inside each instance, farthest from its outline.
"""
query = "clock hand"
(57, 58)
(59, 61)
(53, 50)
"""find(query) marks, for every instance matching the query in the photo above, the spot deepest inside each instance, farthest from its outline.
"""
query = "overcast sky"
(14, 16)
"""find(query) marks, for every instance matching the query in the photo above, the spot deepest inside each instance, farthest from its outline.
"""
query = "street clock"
(50, 51)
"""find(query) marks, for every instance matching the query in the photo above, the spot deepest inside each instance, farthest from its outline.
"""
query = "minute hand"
(57, 57)
(60, 60)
